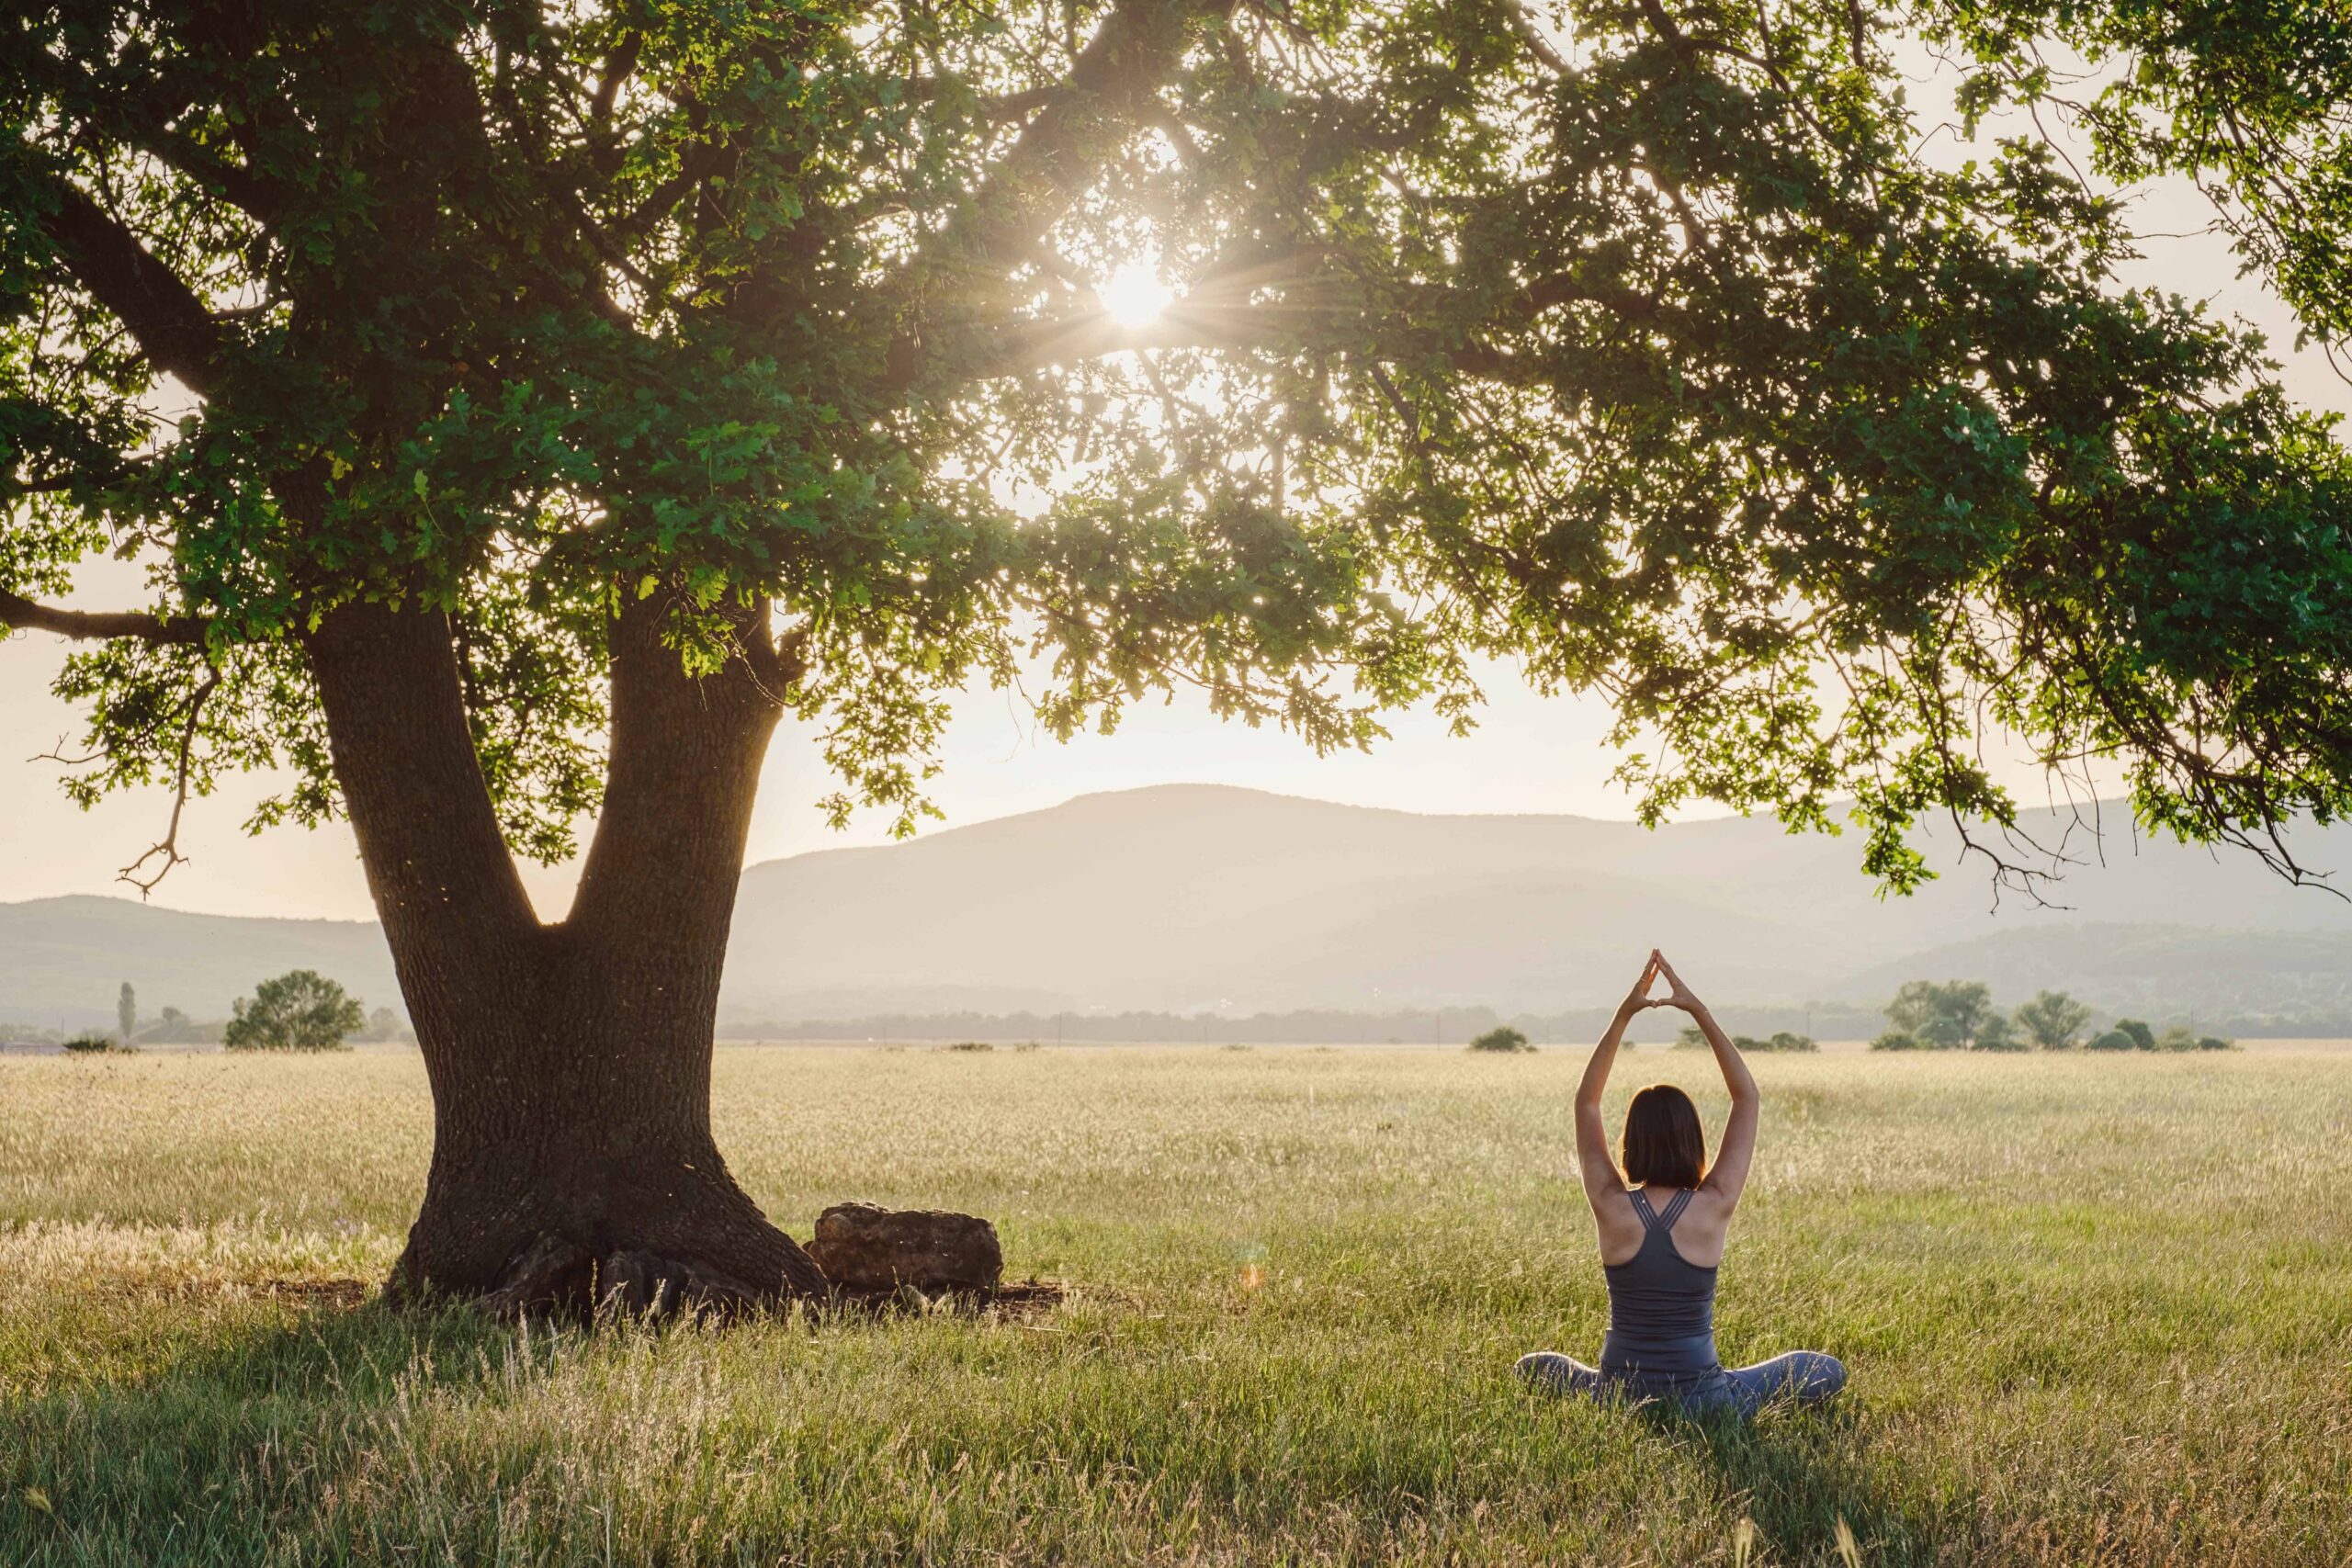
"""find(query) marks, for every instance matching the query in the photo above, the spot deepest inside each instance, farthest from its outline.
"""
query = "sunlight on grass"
(2095, 1309)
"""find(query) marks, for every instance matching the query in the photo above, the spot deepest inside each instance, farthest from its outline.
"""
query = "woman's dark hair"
(1664, 1146)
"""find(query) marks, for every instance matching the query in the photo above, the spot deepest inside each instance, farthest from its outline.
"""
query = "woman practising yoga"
(1662, 1240)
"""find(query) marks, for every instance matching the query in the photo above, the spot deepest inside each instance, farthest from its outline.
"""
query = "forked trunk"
(572, 1160)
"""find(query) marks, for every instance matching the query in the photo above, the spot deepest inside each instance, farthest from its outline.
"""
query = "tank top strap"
(1674, 1210)
(1642, 1208)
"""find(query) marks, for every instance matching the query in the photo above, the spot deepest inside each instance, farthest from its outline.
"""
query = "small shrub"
(385, 1028)
(2113, 1040)
(1782, 1041)
(2215, 1042)
(89, 1044)
(970, 1045)
(1502, 1037)
(2176, 1038)
(173, 1027)
(1995, 1034)
(1898, 1039)
(2143, 1037)
(1693, 1038)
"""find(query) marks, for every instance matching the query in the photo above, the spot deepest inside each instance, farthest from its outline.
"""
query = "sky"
(1529, 754)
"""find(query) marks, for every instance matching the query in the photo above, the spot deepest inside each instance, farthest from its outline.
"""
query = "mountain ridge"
(1193, 897)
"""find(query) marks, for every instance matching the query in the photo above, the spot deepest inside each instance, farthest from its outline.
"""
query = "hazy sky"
(1529, 755)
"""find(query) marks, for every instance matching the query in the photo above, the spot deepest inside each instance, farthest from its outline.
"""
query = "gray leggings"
(1808, 1377)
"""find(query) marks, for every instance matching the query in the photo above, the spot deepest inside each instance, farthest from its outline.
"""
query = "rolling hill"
(1187, 897)
(62, 959)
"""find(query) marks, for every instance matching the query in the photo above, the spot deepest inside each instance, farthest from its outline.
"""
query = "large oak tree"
(519, 406)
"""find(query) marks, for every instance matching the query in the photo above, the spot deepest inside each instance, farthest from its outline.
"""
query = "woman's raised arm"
(1601, 1177)
(1736, 1151)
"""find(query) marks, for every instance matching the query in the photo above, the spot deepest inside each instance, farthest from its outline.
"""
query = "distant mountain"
(1194, 898)
(66, 958)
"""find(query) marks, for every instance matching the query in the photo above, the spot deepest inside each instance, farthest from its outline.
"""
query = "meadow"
(2095, 1309)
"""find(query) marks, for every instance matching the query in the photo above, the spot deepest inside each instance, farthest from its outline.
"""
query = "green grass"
(2095, 1310)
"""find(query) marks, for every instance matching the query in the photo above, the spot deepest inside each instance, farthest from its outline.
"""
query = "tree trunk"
(573, 1160)
(573, 1164)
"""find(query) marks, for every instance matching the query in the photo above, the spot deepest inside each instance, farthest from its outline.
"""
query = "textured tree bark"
(573, 1161)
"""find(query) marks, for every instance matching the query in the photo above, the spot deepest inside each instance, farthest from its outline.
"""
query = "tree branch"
(19, 612)
(1204, 320)
(1532, 36)
(140, 111)
(696, 166)
(1057, 154)
(992, 106)
(170, 846)
(618, 66)
(179, 335)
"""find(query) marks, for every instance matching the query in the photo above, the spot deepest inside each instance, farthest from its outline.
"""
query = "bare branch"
(169, 849)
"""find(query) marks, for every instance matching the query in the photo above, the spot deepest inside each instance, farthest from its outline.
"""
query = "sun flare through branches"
(1134, 296)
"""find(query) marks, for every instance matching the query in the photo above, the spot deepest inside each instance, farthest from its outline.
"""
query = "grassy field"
(2095, 1310)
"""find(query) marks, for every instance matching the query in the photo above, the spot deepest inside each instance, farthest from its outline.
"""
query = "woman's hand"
(1678, 995)
(1639, 996)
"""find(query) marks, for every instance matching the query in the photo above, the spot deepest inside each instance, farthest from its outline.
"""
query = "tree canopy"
(1948, 1015)
(2253, 102)
(1630, 342)
(2053, 1018)
(299, 1010)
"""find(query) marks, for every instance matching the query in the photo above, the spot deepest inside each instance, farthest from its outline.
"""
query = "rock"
(863, 1249)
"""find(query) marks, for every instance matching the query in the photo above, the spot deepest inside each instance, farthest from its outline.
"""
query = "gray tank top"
(1661, 1306)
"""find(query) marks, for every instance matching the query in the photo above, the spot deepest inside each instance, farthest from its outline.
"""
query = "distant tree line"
(1927, 1015)
(1959, 1015)
(1692, 1038)
(1425, 1026)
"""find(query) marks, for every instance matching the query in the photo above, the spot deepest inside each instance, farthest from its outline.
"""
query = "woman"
(1662, 1240)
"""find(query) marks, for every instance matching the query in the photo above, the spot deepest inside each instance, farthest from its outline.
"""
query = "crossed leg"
(1555, 1373)
(1807, 1376)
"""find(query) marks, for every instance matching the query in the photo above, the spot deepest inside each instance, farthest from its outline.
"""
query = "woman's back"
(1661, 1306)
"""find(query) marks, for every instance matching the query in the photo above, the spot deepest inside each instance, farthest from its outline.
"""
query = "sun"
(1134, 296)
